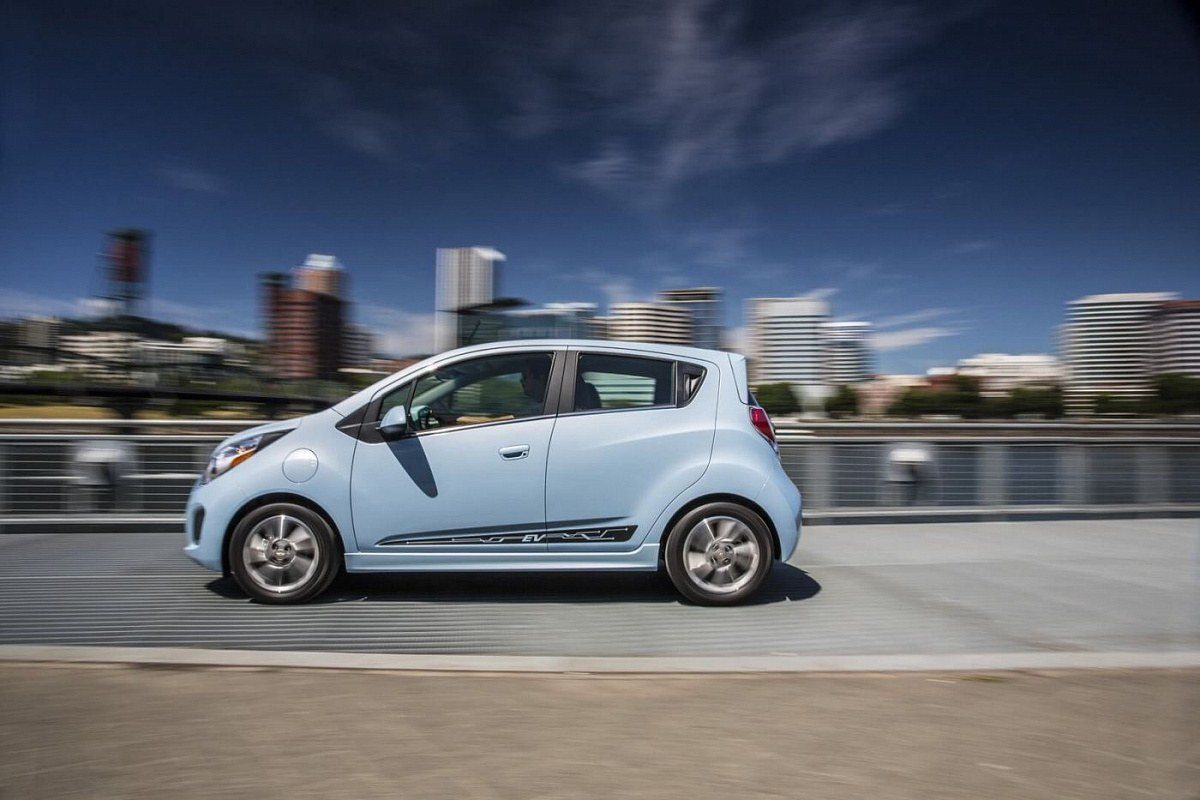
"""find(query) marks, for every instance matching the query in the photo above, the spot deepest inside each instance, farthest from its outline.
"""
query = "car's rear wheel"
(283, 553)
(718, 554)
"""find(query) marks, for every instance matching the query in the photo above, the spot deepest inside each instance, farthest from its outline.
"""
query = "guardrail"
(62, 474)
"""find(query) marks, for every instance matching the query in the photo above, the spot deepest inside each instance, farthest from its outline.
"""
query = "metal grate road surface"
(863, 590)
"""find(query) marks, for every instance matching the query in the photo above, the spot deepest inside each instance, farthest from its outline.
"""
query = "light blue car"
(531, 455)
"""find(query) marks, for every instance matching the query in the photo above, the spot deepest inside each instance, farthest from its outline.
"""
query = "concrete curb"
(952, 662)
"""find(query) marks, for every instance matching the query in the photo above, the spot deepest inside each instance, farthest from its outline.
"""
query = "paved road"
(1003, 587)
(130, 732)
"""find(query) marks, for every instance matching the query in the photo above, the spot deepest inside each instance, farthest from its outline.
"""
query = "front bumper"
(210, 508)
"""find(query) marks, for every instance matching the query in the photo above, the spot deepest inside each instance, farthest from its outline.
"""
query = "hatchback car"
(535, 455)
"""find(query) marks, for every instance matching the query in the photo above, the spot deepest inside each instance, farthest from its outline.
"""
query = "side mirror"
(394, 423)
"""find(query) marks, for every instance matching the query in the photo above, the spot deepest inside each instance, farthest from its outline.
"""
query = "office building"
(551, 321)
(787, 342)
(321, 274)
(706, 305)
(466, 277)
(305, 320)
(39, 333)
(1109, 346)
(1176, 330)
(1000, 373)
(848, 358)
(358, 346)
(658, 323)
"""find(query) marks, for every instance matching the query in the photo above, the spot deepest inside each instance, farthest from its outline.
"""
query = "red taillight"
(762, 424)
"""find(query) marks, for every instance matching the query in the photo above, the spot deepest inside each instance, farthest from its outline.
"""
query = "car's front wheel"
(283, 553)
(718, 554)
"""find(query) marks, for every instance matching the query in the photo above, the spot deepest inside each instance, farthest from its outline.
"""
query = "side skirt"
(643, 558)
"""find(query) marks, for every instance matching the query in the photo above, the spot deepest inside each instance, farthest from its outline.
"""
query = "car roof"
(680, 351)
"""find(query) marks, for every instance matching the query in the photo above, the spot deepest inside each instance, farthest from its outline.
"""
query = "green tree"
(1177, 393)
(777, 398)
(959, 398)
(843, 403)
(1044, 401)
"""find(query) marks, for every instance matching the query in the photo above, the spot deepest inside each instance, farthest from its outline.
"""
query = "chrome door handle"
(513, 452)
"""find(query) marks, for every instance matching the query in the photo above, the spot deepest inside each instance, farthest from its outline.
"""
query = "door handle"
(513, 452)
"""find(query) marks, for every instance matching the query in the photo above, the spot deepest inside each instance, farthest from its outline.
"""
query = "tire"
(269, 549)
(719, 554)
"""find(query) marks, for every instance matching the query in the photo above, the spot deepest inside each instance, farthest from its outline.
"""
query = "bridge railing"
(56, 474)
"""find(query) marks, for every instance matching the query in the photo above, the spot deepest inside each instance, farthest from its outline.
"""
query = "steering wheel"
(424, 417)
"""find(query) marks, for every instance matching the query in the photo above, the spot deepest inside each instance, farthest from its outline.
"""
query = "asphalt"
(946, 589)
(138, 732)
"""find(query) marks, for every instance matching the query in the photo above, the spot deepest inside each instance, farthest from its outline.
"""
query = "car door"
(469, 476)
(634, 430)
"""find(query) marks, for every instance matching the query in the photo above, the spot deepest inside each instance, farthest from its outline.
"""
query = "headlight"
(227, 457)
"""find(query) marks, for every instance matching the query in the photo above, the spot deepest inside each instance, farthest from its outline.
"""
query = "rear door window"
(606, 382)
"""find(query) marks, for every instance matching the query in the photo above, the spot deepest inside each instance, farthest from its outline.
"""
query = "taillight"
(762, 424)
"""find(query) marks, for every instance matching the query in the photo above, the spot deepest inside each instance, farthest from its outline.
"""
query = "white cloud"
(661, 93)
(970, 246)
(341, 116)
(191, 179)
(914, 317)
(15, 304)
(397, 332)
(823, 293)
(910, 337)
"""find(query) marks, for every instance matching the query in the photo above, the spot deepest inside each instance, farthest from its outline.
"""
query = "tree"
(1043, 401)
(777, 398)
(1177, 393)
(1107, 404)
(960, 398)
(843, 403)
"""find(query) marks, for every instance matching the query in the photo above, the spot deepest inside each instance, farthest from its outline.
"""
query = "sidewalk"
(149, 732)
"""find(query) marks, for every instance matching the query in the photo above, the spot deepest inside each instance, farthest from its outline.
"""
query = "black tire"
(693, 587)
(274, 520)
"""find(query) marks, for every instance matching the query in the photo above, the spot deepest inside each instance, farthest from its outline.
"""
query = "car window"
(489, 389)
(397, 397)
(607, 382)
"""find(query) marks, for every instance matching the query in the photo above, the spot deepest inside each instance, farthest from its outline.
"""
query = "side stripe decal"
(582, 536)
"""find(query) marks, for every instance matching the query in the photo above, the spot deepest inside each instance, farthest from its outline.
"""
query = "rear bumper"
(780, 498)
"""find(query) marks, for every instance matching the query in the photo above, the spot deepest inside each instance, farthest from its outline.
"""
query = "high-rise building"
(1109, 348)
(787, 343)
(551, 321)
(706, 305)
(358, 346)
(126, 265)
(658, 323)
(466, 277)
(1000, 373)
(1176, 326)
(848, 357)
(38, 337)
(305, 320)
(321, 274)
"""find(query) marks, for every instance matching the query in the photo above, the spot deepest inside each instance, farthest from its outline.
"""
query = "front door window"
(481, 391)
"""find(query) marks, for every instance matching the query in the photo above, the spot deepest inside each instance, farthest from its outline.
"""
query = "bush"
(843, 403)
(777, 398)
(1177, 394)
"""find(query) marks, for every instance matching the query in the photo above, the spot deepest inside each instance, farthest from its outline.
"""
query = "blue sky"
(952, 172)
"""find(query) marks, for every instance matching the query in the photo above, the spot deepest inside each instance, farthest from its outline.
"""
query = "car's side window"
(606, 382)
(396, 397)
(482, 390)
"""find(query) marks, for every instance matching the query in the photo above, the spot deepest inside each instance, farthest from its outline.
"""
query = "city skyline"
(957, 209)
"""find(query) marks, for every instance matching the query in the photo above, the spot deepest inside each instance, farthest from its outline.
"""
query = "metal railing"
(59, 472)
